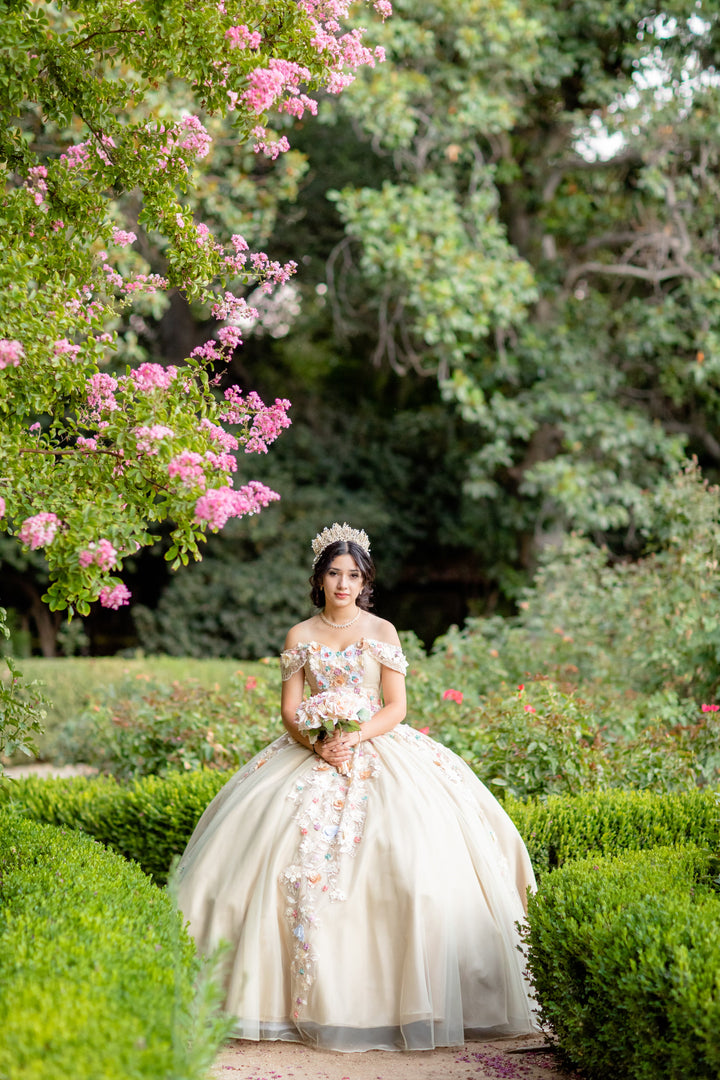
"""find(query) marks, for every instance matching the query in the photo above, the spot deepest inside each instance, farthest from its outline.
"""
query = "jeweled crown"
(337, 532)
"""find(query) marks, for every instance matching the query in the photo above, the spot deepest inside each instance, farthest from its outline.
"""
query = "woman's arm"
(291, 696)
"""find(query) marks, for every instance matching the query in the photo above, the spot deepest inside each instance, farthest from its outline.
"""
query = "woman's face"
(342, 582)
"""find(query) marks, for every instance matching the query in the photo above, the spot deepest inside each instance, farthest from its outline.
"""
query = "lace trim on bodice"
(391, 656)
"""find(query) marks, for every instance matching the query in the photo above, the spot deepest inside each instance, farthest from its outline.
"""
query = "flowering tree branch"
(90, 459)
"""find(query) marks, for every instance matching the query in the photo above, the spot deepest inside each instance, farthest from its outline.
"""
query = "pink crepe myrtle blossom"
(2, 507)
(149, 377)
(147, 437)
(219, 435)
(210, 351)
(84, 443)
(240, 37)
(453, 695)
(102, 554)
(221, 462)
(39, 530)
(271, 149)
(220, 504)
(383, 8)
(123, 238)
(63, 347)
(11, 353)
(116, 597)
(100, 394)
(147, 283)
(230, 336)
(233, 307)
(267, 425)
(76, 157)
(188, 466)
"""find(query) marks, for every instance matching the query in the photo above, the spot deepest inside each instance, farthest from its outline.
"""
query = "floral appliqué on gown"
(373, 911)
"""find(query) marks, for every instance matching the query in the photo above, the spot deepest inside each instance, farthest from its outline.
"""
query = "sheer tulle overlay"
(374, 911)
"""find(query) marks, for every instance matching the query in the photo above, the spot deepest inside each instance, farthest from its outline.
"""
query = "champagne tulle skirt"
(376, 911)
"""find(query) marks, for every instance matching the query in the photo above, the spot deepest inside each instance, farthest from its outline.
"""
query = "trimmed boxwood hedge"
(96, 970)
(151, 819)
(608, 822)
(625, 958)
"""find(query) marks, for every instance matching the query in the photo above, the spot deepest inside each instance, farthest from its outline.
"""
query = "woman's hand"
(337, 749)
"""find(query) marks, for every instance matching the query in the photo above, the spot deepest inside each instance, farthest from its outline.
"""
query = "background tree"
(545, 246)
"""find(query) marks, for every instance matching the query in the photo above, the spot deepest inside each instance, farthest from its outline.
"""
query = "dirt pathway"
(526, 1058)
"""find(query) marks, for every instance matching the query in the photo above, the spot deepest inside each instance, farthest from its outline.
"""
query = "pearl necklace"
(340, 625)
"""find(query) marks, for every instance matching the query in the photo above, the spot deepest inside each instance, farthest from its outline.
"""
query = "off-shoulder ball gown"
(374, 911)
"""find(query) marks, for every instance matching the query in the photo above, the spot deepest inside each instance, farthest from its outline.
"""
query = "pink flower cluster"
(274, 273)
(2, 507)
(710, 708)
(36, 184)
(240, 37)
(223, 438)
(100, 394)
(193, 137)
(64, 347)
(230, 336)
(147, 283)
(267, 85)
(270, 149)
(103, 554)
(115, 598)
(11, 353)
(86, 444)
(123, 238)
(453, 695)
(267, 425)
(75, 157)
(149, 377)
(39, 530)
(234, 307)
(188, 466)
(220, 504)
(148, 436)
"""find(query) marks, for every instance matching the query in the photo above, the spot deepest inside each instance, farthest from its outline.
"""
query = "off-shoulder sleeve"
(390, 656)
(292, 660)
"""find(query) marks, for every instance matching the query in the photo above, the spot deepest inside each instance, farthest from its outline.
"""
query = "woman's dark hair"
(361, 559)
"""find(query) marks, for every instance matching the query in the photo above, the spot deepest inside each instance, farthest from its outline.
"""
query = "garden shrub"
(96, 970)
(141, 728)
(609, 822)
(73, 684)
(149, 821)
(625, 963)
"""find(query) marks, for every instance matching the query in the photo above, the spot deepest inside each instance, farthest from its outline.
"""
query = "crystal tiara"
(339, 532)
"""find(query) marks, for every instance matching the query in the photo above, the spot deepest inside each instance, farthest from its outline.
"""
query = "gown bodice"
(358, 667)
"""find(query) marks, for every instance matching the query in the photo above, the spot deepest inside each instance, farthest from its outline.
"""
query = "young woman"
(368, 883)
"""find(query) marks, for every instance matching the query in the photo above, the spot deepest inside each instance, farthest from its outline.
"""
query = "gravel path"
(526, 1058)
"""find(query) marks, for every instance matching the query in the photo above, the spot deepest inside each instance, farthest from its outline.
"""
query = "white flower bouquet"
(330, 711)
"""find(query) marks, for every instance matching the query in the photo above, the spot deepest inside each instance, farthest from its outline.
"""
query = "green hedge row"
(608, 822)
(96, 971)
(625, 958)
(151, 819)
(148, 821)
